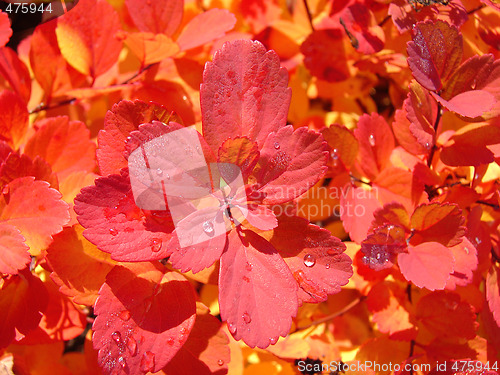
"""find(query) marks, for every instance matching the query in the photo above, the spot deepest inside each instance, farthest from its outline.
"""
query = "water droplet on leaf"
(371, 140)
(124, 315)
(327, 266)
(309, 260)
(276, 145)
(171, 341)
(331, 252)
(113, 231)
(159, 172)
(246, 318)
(231, 327)
(208, 227)
(273, 340)
(147, 362)
(220, 362)
(116, 336)
(132, 346)
(122, 362)
(249, 266)
(155, 244)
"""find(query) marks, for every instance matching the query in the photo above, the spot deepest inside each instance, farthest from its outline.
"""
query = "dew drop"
(122, 362)
(155, 245)
(183, 331)
(327, 266)
(116, 336)
(208, 227)
(249, 266)
(331, 252)
(113, 231)
(371, 140)
(171, 341)
(148, 362)
(129, 138)
(246, 318)
(309, 260)
(231, 327)
(167, 176)
(276, 145)
(220, 362)
(427, 146)
(124, 315)
(273, 340)
(132, 346)
(159, 172)
(246, 279)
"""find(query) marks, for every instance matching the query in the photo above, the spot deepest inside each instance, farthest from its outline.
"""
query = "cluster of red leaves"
(385, 184)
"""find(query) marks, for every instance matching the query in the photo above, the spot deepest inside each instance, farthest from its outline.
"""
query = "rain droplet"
(116, 336)
(273, 340)
(276, 145)
(249, 266)
(113, 231)
(427, 146)
(220, 362)
(167, 176)
(148, 362)
(159, 172)
(246, 279)
(124, 315)
(155, 244)
(208, 227)
(371, 140)
(171, 341)
(231, 327)
(331, 252)
(309, 260)
(132, 346)
(327, 266)
(246, 318)
(183, 331)
(122, 362)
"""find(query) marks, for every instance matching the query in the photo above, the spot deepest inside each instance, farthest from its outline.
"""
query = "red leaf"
(50, 68)
(493, 292)
(469, 104)
(469, 146)
(434, 53)
(465, 255)
(244, 93)
(435, 222)
(316, 258)
(376, 143)
(422, 112)
(324, 55)
(23, 299)
(381, 247)
(206, 351)
(14, 254)
(144, 316)
(206, 27)
(357, 208)
(120, 121)
(290, 163)
(392, 213)
(257, 292)
(446, 316)
(117, 226)
(15, 166)
(64, 144)
(14, 119)
(159, 16)
(401, 129)
(87, 39)
(78, 267)
(5, 30)
(427, 265)
(342, 142)
(361, 24)
(35, 209)
(15, 72)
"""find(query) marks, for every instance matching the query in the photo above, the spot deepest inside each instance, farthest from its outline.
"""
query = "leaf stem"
(309, 15)
(327, 318)
(436, 124)
(474, 10)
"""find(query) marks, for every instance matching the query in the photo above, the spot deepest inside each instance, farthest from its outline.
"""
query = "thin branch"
(496, 207)
(382, 23)
(327, 318)
(436, 124)
(476, 9)
(309, 15)
(45, 107)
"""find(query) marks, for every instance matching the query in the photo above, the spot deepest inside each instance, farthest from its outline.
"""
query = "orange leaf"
(5, 30)
(64, 144)
(493, 292)
(15, 72)
(78, 267)
(35, 209)
(158, 16)
(342, 142)
(87, 38)
(14, 118)
(150, 48)
(14, 254)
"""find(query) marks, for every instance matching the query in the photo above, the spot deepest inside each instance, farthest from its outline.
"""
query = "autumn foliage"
(346, 210)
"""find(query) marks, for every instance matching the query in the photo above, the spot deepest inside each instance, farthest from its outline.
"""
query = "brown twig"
(309, 15)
